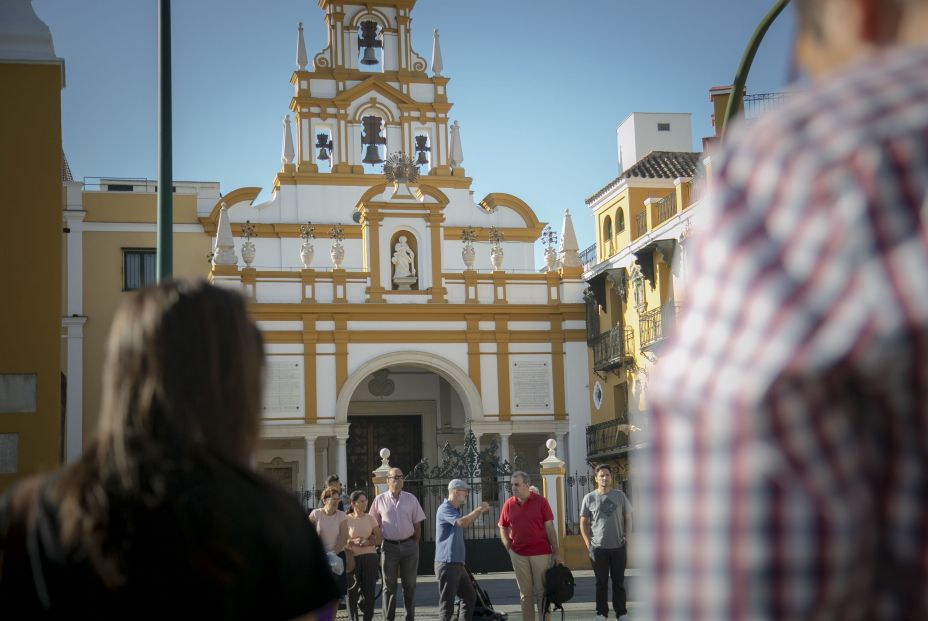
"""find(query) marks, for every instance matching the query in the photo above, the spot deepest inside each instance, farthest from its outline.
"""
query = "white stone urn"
(338, 254)
(550, 259)
(248, 252)
(468, 254)
(496, 257)
(306, 254)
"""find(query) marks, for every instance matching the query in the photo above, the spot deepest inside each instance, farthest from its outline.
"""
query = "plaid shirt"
(787, 477)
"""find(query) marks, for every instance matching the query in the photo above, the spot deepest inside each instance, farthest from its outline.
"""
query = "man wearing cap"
(450, 523)
(400, 517)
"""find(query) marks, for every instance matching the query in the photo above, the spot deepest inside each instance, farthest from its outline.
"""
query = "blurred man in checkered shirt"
(788, 471)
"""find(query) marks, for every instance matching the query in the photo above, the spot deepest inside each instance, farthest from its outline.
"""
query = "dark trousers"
(606, 561)
(363, 582)
(453, 580)
(399, 559)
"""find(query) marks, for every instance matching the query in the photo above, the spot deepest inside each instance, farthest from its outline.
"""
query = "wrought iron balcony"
(655, 325)
(588, 257)
(611, 349)
(606, 439)
(641, 224)
(666, 208)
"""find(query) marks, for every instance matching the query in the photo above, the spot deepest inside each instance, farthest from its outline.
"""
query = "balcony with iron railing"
(607, 439)
(759, 103)
(655, 325)
(612, 349)
(588, 257)
(666, 208)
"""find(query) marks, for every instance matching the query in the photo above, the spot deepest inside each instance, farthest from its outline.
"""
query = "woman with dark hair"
(162, 514)
(363, 538)
(330, 523)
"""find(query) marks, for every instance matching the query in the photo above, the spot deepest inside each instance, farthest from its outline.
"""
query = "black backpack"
(559, 587)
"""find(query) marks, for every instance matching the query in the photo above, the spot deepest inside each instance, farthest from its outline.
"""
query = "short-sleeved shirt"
(361, 526)
(397, 516)
(449, 537)
(606, 513)
(526, 524)
(328, 526)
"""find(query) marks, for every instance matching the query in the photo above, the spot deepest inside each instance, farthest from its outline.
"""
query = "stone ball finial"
(385, 453)
(551, 444)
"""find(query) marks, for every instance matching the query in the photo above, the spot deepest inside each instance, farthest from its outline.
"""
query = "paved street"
(501, 587)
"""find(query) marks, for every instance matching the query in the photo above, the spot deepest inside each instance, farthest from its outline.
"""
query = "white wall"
(637, 135)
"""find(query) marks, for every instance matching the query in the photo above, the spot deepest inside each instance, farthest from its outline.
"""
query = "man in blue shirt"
(449, 551)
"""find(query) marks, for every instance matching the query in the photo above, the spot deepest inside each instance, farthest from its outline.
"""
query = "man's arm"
(628, 524)
(552, 540)
(471, 517)
(418, 533)
(504, 537)
(586, 531)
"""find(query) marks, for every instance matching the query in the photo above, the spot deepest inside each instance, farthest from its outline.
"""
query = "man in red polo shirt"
(526, 528)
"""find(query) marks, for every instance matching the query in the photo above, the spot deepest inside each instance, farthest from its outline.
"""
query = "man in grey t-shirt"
(605, 522)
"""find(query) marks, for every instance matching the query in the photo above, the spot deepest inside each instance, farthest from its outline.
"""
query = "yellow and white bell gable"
(397, 311)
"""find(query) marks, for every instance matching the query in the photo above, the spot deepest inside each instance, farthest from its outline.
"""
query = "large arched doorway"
(411, 402)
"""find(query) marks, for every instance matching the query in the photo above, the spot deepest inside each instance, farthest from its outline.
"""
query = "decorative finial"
(224, 246)
(400, 168)
(286, 149)
(301, 59)
(457, 153)
(436, 55)
(552, 447)
(568, 253)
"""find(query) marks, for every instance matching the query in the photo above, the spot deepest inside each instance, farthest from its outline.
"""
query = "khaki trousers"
(530, 576)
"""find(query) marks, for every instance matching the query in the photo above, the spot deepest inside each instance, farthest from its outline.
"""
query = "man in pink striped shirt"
(400, 517)
(787, 476)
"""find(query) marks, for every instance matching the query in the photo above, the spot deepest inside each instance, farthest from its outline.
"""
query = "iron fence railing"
(610, 348)
(606, 438)
(588, 257)
(759, 103)
(666, 208)
(693, 189)
(577, 486)
(655, 325)
(494, 490)
(641, 224)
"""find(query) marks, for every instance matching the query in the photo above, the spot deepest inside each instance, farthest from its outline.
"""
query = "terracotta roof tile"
(656, 165)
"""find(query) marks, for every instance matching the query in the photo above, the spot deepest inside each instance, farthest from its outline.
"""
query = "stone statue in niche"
(404, 261)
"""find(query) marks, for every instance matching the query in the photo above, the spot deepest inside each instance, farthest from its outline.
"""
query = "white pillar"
(74, 321)
(74, 399)
(341, 464)
(309, 470)
(552, 475)
(561, 446)
(504, 447)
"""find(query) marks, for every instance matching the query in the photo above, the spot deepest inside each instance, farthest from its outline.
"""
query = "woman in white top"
(363, 538)
(333, 530)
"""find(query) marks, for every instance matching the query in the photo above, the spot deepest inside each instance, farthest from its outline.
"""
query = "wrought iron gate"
(488, 478)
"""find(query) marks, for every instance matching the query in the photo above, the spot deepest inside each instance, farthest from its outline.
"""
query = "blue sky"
(538, 86)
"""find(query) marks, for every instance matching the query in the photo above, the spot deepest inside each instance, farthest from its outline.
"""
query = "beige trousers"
(530, 576)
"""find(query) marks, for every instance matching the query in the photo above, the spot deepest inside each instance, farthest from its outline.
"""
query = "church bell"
(373, 155)
(370, 57)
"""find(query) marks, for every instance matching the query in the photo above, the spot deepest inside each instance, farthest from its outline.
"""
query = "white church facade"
(398, 309)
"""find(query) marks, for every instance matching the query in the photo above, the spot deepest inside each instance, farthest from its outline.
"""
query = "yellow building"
(31, 168)
(635, 273)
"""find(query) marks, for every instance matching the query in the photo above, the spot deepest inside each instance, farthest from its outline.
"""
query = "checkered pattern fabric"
(787, 475)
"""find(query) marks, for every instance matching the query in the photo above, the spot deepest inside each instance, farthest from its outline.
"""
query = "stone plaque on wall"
(283, 387)
(530, 384)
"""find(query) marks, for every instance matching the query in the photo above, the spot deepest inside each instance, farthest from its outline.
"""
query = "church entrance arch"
(410, 402)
